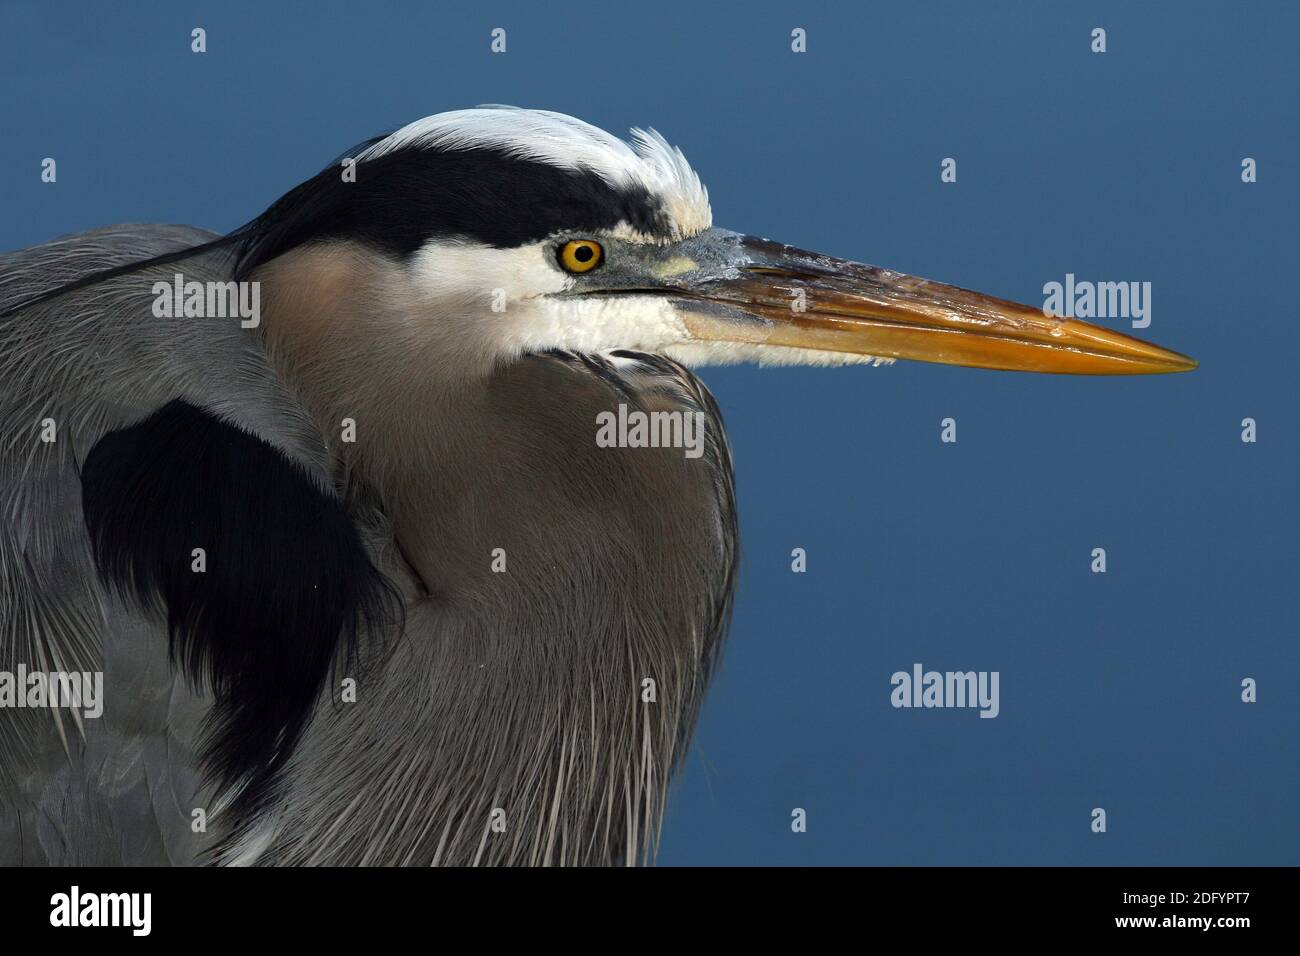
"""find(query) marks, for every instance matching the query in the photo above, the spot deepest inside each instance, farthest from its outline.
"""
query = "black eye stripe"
(405, 198)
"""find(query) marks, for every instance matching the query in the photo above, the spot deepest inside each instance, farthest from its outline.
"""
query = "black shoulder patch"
(287, 584)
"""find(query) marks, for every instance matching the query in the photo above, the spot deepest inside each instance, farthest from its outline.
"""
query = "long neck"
(564, 603)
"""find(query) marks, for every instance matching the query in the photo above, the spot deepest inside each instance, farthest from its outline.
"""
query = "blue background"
(1119, 690)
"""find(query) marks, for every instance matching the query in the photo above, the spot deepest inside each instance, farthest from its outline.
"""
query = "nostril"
(781, 272)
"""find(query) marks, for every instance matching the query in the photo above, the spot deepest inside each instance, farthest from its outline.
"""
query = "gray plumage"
(520, 691)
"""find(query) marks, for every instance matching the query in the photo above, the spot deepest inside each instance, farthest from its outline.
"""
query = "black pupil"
(583, 253)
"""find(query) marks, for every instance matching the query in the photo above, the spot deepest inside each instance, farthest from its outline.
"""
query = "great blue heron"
(363, 583)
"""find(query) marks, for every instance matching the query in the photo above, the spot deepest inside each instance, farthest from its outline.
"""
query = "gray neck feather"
(533, 715)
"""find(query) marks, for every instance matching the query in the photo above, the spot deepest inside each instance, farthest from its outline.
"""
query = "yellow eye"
(580, 255)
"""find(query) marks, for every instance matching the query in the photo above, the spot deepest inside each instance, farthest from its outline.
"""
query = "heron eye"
(580, 255)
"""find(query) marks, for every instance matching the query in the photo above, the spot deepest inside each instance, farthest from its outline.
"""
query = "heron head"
(514, 231)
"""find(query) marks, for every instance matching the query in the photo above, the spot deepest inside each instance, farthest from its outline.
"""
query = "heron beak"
(776, 295)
